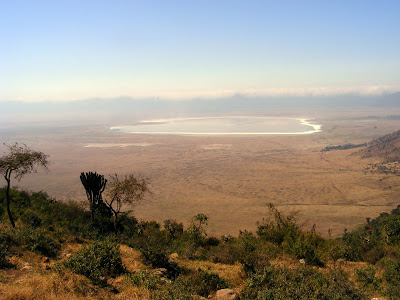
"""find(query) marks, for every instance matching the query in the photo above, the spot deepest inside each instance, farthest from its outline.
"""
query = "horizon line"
(365, 91)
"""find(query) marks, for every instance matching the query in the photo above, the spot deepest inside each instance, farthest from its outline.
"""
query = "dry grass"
(232, 273)
(231, 183)
(131, 258)
(32, 280)
(49, 285)
(133, 293)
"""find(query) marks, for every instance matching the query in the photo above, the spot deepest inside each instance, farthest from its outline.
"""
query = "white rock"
(226, 294)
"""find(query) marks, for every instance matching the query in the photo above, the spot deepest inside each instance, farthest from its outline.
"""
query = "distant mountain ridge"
(126, 109)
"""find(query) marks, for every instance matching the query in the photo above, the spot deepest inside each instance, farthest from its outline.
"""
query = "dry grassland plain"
(230, 179)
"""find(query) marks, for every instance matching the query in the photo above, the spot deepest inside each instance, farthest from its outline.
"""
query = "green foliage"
(43, 222)
(198, 283)
(204, 283)
(304, 246)
(37, 240)
(38, 210)
(392, 279)
(391, 225)
(367, 278)
(19, 161)
(4, 262)
(225, 253)
(173, 228)
(97, 261)
(153, 246)
(278, 227)
(302, 283)
(343, 147)
(144, 278)
(31, 219)
(179, 289)
(196, 231)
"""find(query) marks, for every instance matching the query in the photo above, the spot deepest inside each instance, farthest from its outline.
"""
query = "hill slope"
(386, 148)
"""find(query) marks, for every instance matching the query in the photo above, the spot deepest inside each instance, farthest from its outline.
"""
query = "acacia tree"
(19, 161)
(94, 185)
(129, 190)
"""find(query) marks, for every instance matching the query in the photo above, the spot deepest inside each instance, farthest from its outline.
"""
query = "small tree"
(196, 229)
(19, 161)
(94, 185)
(131, 189)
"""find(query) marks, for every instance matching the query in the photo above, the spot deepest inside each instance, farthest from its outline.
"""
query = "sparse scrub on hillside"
(391, 278)
(37, 240)
(4, 252)
(197, 283)
(144, 279)
(43, 224)
(302, 283)
(97, 261)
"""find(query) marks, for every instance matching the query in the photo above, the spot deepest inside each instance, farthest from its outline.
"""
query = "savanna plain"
(231, 179)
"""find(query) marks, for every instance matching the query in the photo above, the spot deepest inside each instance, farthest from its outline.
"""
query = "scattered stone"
(302, 261)
(160, 272)
(340, 262)
(226, 294)
(174, 255)
(68, 255)
(26, 266)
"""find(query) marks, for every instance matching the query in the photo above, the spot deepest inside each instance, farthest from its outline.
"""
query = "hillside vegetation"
(385, 148)
(56, 252)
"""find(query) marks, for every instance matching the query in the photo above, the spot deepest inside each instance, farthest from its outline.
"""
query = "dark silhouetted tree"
(19, 161)
(94, 185)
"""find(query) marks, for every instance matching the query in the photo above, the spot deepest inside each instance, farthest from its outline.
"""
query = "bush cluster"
(97, 261)
(304, 282)
(42, 223)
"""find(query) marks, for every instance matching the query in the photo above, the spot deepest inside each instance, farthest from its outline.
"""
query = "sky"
(69, 50)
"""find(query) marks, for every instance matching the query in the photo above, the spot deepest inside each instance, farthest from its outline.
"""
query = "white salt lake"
(222, 126)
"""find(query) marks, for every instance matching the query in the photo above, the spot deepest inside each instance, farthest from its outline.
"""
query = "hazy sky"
(68, 50)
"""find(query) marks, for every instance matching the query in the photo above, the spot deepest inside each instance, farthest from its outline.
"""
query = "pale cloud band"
(186, 94)
(276, 92)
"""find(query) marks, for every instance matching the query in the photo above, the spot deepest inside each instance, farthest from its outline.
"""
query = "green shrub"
(4, 262)
(173, 228)
(305, 246)
(97, 261)
(197, 283)
(204, 283)
(154, 248)
(355, 246)
(367, 278)
(38, 241)
(225, 253)
(301, 283)
(374, 255)
(392, 278)
(144, 278)
(31, 219)
(278, 227)
(179, 289)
